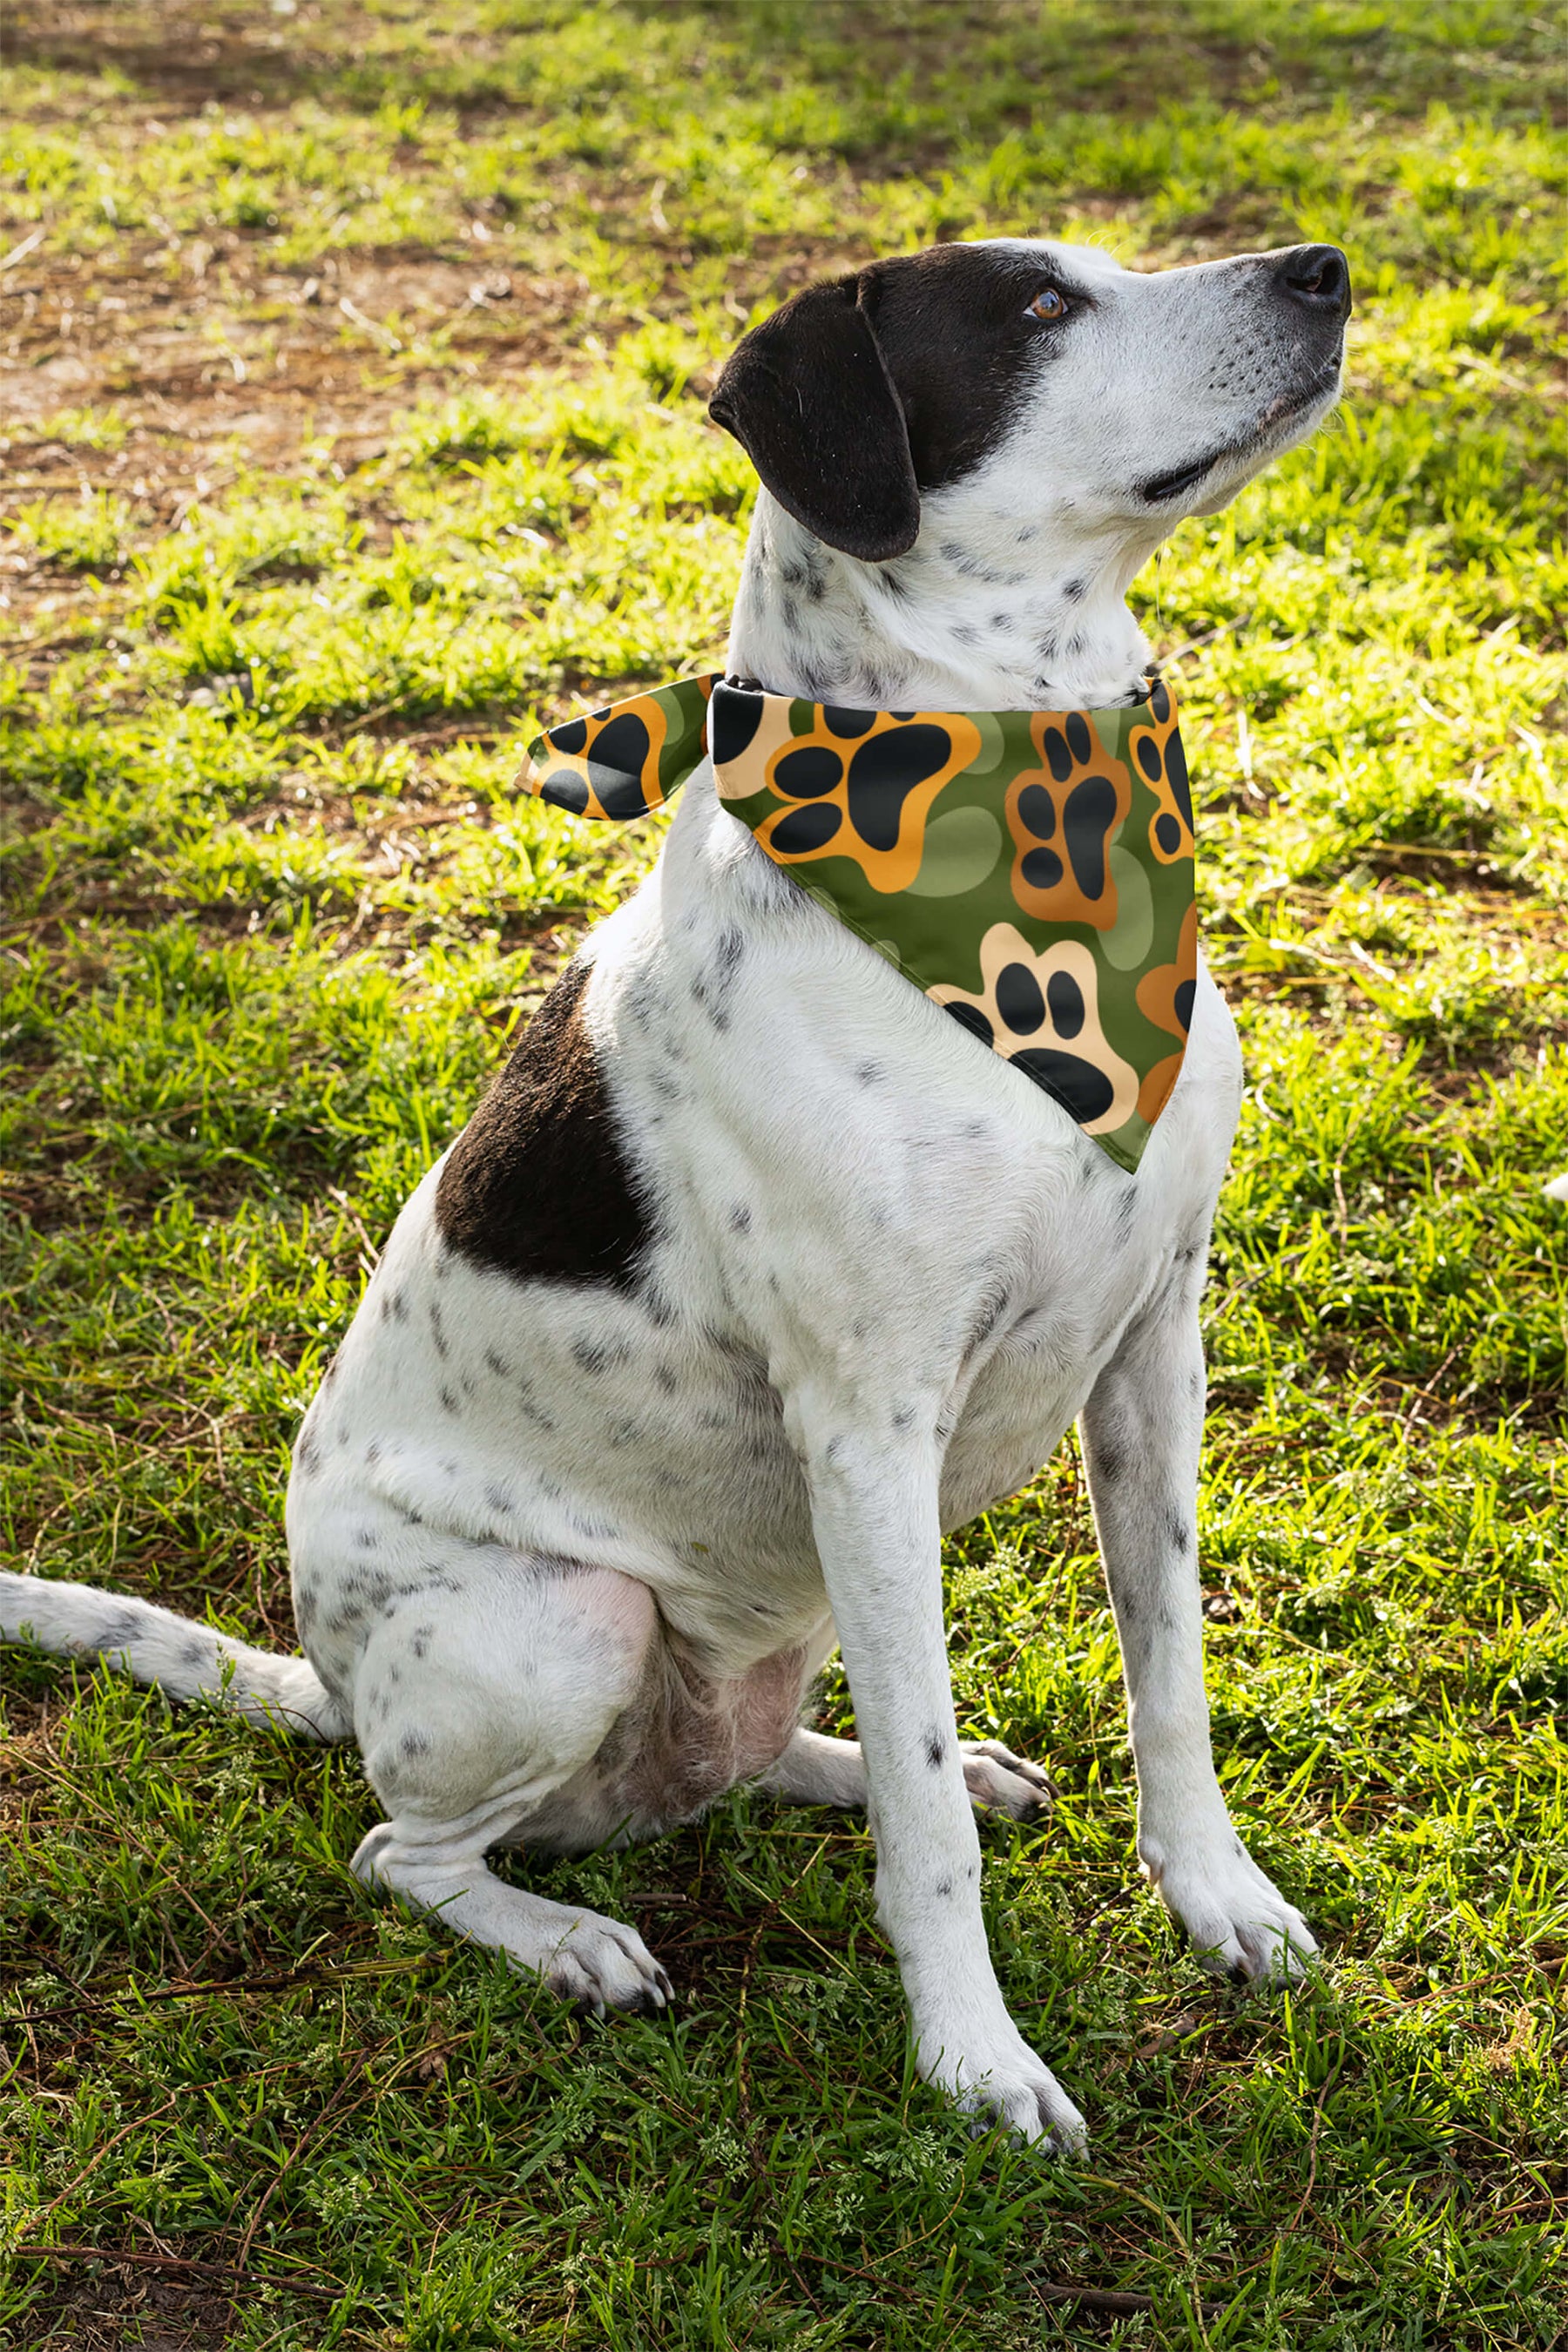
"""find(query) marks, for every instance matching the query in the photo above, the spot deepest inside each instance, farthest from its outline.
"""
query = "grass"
(356, 421)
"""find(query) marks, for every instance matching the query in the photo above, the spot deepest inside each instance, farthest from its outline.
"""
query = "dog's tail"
(182, 1658)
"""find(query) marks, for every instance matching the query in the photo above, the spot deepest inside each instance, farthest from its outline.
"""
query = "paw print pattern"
(1063, 817)
(1154, 746)
(1077, 917)
(1164, 996)
(625, 759)
(1041, 1012)
(854, 783)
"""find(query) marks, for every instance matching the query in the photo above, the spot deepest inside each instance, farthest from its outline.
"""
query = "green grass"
(274, 911)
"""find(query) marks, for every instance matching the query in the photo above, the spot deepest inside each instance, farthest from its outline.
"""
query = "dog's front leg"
(1143, 1429)
(873, 1512)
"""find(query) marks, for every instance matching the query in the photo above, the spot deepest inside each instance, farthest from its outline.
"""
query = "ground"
(354, 366)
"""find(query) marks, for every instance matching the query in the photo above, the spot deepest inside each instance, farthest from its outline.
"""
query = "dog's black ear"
(808, 396)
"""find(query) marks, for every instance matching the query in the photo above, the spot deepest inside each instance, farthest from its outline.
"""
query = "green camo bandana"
(1032, 871)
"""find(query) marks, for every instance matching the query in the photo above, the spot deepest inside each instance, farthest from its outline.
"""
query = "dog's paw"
(599, 1965)
(1000, 1782)
(592, 1962)
(1005, 2087)
(1239, 1924)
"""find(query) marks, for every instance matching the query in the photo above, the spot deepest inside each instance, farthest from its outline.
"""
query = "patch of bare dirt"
(199, 341)
(214, 51)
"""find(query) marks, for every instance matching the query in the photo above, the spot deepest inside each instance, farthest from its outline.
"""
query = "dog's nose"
(1318, 276)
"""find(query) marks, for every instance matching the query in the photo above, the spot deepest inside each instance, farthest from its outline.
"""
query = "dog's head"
(1043, 379)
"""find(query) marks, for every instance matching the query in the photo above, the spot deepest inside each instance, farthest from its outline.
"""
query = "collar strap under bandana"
(1031, 871)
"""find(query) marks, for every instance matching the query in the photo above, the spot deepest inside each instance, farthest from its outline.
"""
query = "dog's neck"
(986, 612)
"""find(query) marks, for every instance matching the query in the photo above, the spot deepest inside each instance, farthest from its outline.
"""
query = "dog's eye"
(1049, 304)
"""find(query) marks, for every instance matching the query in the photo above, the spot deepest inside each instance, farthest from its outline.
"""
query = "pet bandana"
(1031, 871)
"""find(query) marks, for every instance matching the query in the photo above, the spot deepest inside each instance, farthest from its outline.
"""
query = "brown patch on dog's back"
(537, 1184)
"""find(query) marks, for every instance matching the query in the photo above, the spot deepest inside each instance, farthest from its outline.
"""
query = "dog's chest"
(840, 1204)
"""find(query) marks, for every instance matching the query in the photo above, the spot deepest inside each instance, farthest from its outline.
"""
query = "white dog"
(753, 1273)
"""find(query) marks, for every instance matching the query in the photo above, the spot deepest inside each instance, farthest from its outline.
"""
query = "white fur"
(587, 1591)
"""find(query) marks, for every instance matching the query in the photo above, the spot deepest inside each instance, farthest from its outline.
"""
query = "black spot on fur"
(985, 1322)
(1181, 1534)
(729, 952)
(436, 1333)
(307, 1460)
(944, 1887)
(120, 1629)
(448, 1401)
(414, 1743)
(936, 1751)
(1073, 591)
(537, 1185)
(740, 1218)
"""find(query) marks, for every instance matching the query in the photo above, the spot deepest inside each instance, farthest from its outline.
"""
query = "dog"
(751, 1274)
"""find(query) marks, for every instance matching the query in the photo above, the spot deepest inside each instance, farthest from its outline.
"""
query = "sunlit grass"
(276, 911)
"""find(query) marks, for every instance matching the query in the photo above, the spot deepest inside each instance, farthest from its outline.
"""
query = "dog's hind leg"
(814, 1770)
(476, 1702)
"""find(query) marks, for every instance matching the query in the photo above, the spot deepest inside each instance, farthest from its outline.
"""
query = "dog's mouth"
(1160, 488)
(1163, 486)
